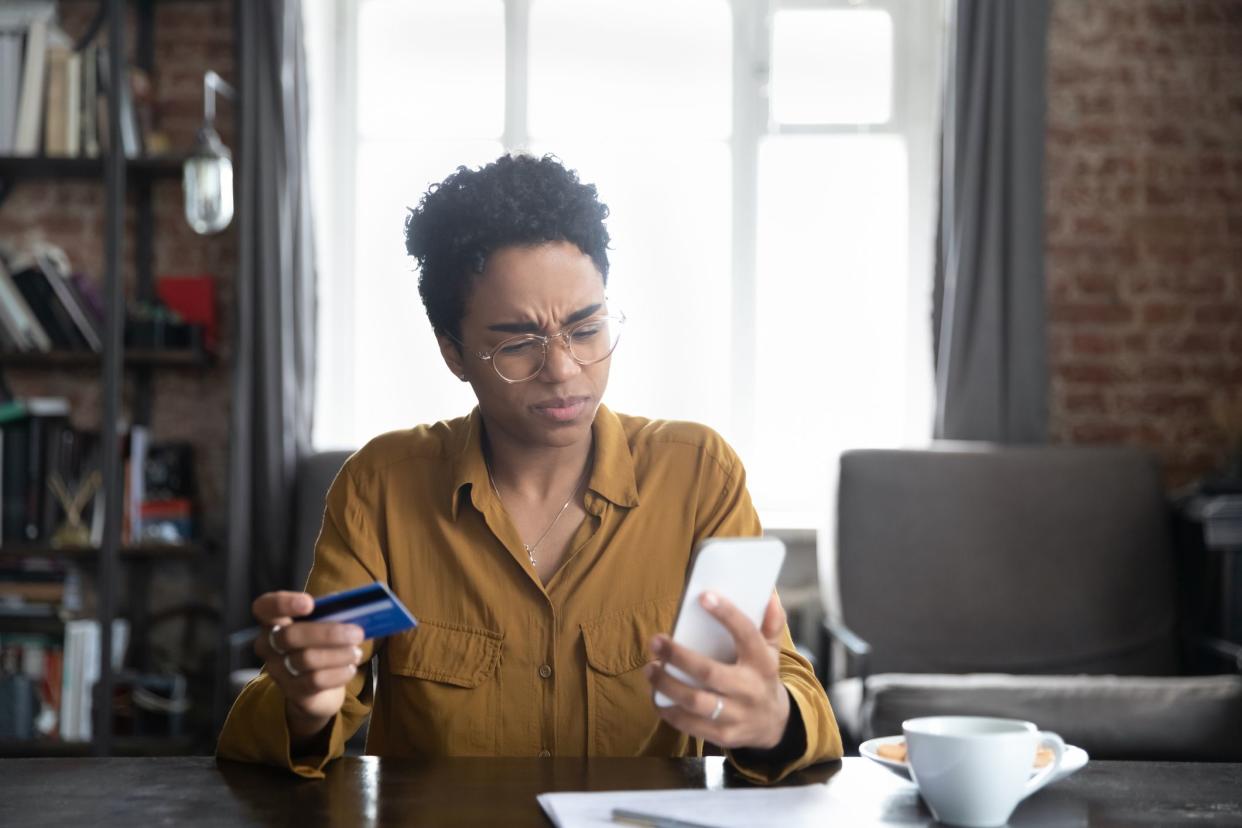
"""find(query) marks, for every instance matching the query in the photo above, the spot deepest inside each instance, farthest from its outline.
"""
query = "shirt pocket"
(621, 716)
(446, 695)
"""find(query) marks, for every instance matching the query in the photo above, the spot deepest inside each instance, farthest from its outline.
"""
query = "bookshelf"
(123, 373)
(37, 166)
(85, 360)
(89, 554)
(34, 625)
(139, 171)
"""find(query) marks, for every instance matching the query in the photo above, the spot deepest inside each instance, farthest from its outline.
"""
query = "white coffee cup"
(974, 770)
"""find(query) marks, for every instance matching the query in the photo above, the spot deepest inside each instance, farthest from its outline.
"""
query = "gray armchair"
(315, 475)
(1033, 582)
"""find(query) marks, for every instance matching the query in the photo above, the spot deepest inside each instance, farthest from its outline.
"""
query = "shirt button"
(545, 753)
(545, 671)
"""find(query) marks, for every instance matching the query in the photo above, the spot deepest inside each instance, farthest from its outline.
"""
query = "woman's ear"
(453, 357)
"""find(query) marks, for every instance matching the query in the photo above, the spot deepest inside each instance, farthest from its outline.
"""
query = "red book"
(194, 299)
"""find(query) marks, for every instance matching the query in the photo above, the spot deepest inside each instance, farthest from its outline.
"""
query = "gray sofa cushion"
(1181, 718)
(1052, 560)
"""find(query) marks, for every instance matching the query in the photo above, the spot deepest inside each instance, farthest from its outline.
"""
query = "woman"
(542, 541)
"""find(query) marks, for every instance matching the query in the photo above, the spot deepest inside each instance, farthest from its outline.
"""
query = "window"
(769, 168)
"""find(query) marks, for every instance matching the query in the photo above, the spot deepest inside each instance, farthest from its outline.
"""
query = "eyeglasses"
(521, 358)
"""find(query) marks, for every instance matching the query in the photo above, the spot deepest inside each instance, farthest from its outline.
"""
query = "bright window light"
(630, 67)
(396, 361)
(431, 69)
(833, 279)
(771, 203)
(832, 67)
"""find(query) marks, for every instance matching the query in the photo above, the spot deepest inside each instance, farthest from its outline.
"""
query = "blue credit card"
(373, 607)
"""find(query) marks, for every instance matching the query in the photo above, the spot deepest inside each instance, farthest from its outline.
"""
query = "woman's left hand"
(740, 705)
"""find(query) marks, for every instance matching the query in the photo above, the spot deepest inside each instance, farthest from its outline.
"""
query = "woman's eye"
(519, 348)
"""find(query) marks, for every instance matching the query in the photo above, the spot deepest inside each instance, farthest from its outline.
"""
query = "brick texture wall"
(1144, 224)
(189, 404)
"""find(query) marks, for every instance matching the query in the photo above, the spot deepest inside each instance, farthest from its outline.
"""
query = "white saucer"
(1075, 758)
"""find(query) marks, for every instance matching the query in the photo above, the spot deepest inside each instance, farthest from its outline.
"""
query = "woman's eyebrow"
(533, 327)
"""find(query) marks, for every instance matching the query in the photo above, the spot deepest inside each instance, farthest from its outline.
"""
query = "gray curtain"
(273, 389)
(989, 327)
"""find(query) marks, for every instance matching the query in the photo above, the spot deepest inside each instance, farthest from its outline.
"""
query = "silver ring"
(719, 706)
(271, 639)
(289, 668)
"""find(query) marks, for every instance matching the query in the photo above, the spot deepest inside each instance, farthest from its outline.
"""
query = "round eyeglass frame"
(545, 340)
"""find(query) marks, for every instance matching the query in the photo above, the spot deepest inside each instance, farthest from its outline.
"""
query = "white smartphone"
(742, 570)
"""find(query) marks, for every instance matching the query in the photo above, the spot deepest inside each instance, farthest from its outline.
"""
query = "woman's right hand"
(311, 661)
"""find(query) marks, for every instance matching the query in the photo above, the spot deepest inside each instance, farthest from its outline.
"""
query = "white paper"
(787, 807)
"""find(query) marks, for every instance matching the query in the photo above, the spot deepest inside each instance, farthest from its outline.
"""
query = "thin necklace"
(531, 547)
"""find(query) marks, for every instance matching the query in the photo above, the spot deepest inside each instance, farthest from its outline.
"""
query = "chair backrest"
(315, 475)
(982, 558)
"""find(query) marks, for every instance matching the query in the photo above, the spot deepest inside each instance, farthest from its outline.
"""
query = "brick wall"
(1144, 224)
(189, 404)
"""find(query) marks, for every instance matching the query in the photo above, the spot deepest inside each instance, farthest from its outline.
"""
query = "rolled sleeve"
(734, 515)
(347, 554)
(808, 707)
(257, 731)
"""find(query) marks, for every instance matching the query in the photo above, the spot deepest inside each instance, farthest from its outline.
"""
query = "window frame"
(913, 117)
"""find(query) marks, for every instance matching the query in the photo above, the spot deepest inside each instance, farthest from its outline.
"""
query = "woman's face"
(538, 289)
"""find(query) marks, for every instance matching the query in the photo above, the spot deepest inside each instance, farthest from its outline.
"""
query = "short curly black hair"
(517, 200)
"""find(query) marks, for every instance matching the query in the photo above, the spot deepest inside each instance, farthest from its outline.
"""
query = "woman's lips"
(561, 410)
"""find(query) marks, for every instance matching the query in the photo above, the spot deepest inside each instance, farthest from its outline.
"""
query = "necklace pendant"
(530, 553)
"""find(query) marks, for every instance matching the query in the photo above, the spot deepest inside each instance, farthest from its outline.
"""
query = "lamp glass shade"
(207, 179)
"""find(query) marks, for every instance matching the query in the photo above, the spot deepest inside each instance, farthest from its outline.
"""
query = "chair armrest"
(857, 650)
(850, 639)
(1220, 648)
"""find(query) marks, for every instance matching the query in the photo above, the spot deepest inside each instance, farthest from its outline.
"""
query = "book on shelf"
(30, 686)
(89, 138)
(21, 326)
(33, 586)
(54, 264)
(36, 287)
(47, 680)
(89, 295)
(39, 589)
(31, 438)
(53, 97)
(166, 512)
(48, 469)
(132, 143)
(34, 71)
(56, 103)
(82, 666)
(23, 40)
(193, 298)
(73, 105)
(11, 43)
(43, 304)
(135, 482)
(20, 587)
(158, 491)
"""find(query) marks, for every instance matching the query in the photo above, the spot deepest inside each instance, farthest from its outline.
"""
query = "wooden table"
(369, 791)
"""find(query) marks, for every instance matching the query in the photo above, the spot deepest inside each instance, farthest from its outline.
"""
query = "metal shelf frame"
(125, 180)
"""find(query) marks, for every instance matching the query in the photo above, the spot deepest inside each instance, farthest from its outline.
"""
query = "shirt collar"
(469, 468)
(612, 476)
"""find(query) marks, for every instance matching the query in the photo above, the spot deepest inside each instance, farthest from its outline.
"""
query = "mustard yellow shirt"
(500, 664)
